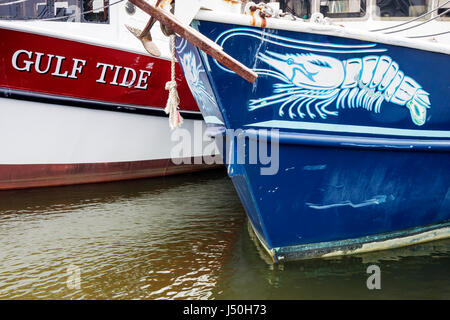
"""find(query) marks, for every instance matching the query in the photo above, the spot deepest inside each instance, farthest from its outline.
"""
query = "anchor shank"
(197, 39)
(150, 23)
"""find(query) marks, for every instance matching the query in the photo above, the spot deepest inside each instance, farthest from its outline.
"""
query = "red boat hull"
(49, 65)
(46, 139)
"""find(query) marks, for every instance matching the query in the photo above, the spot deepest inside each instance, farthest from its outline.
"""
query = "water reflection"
(415, 272)
(156, 238)
(180, 237)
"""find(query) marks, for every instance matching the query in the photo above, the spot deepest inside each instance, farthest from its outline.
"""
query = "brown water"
(183, 237)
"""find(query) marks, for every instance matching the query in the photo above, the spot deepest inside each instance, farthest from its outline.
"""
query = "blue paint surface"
(361, 155)
(237, 96)
(360, 193)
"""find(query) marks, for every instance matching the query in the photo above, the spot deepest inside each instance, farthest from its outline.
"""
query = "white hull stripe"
(283, 124)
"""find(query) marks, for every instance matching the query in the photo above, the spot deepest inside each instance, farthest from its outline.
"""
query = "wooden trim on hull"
(24, 176)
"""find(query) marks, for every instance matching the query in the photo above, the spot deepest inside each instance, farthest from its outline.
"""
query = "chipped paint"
(315, 167)
(353, 246)
(374, 201)
(395, 243)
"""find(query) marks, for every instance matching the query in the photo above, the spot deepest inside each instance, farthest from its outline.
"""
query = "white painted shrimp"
(311, 83)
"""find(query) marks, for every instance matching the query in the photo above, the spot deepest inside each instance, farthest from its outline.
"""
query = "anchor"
(145, 35)
(197, 39)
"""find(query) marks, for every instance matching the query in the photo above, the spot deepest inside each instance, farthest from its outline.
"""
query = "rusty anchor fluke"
(145, 35)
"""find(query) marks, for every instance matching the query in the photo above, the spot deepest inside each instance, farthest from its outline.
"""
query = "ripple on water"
(179, 238)
(157, 238)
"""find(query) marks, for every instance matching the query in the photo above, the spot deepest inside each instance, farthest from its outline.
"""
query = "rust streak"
(263, 22)
(253, 22)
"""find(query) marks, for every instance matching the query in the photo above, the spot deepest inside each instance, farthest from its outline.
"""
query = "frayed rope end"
(175, 119)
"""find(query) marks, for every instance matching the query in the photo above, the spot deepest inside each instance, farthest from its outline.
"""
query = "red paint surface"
(86, 86)
(45, 175)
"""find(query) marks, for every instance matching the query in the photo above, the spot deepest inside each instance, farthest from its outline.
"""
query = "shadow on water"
(54, 199)
(415, 272)
(180, 237)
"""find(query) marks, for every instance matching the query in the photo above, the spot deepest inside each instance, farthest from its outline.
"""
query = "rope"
(430, 35)
(175, 119)
(417, 25)
(12, 2)
(412, 20)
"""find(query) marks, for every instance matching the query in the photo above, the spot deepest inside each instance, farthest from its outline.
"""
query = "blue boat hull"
(323, 196)
(364, 163)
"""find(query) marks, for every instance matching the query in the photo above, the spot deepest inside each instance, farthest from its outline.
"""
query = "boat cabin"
(431, 17)
(105, 19)
(375, 9)
(101, 22)
(85, 11)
